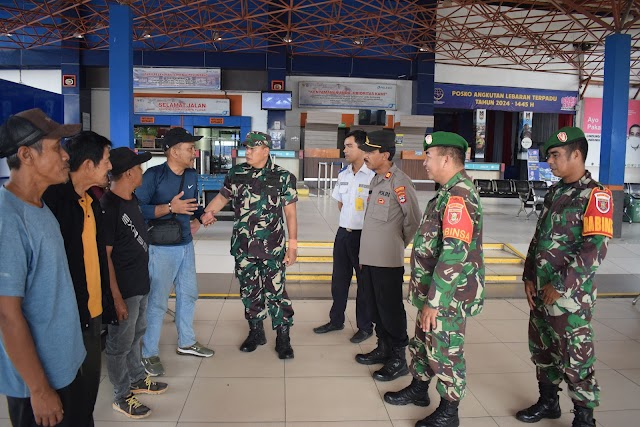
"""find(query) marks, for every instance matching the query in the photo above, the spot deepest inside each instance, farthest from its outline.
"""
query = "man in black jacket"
(79, 214)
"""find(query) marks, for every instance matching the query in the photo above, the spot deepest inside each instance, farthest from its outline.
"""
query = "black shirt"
(126, 232)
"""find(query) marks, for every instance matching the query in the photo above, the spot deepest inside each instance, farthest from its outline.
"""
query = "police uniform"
(390, 221)
(447, 274)
(567, 248)
(352, 190)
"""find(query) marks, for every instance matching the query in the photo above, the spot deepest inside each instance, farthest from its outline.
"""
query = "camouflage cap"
(445, 139)
(379, 140)
(255, 138)
(564, 136)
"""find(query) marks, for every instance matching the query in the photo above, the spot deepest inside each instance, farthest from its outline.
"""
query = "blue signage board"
(274, 153)
(469, 97)
(482, 166)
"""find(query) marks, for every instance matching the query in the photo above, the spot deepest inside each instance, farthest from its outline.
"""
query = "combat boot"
(256, 337)
(583, 417)
(547, 406)
(380, 354)
(283, 343)
(446, 415)
(417, 393)
(394, 367)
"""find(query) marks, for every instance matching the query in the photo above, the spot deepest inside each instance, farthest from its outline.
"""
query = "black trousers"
(383, 287)
(89, 377)
(346, 250)
(21, 412)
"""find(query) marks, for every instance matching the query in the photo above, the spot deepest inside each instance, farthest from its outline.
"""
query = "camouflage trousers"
(561, 345)
(262, 290)
(439, 354)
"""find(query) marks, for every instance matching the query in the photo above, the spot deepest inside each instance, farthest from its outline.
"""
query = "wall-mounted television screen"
(276, 101)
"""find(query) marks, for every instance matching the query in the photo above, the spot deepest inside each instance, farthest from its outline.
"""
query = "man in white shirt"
(351, 192)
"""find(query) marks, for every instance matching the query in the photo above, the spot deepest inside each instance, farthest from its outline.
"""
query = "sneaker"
(196, 349)
(146, 386)
(153, 366)
(131, 407)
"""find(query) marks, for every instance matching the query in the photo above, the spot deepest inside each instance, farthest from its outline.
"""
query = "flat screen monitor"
(276, 101)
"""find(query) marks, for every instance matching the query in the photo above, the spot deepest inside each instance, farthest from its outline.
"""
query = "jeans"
(169, 265)
(123, 347)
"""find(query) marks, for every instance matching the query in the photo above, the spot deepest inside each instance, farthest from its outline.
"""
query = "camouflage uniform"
(447, 273)
(566, 251)
(258, 239)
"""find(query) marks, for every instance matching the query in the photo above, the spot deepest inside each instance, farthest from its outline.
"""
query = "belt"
(350, 230)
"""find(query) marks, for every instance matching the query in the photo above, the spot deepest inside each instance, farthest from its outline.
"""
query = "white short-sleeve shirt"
(352, 190)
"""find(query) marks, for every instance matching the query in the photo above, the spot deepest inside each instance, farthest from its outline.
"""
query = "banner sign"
(176, 78)
(203, 106)
(592, 127)
(470, 97)
(347, 95)
(537, 170)
(480, 128)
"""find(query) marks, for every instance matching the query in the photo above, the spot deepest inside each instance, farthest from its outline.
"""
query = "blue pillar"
(615, 111)
(424, 69)
(121, 75)
(70, 67)
(276, 70)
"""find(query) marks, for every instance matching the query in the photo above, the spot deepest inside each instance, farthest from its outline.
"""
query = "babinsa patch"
(457, 222)
(598, 218)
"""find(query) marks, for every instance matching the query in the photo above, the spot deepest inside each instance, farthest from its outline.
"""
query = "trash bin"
(633, 211)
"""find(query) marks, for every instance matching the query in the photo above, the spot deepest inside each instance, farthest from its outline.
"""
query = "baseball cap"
(28, 127)
(176, 136)
(445, 139)
(255, 138)
(379, 140)
(564, 136)
(123, 159)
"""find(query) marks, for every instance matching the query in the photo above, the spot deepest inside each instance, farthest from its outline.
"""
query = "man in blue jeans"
(126, 238)
(168, 190)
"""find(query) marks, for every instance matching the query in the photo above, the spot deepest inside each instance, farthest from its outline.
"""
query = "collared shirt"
(91, 264)
(352, 190)
(391, 219)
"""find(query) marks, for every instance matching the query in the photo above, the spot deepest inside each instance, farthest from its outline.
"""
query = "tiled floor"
(324, 387)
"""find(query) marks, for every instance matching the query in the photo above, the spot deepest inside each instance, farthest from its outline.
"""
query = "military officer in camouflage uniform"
(447, 281)
(569, 244)
(390, 221)
(261, 192)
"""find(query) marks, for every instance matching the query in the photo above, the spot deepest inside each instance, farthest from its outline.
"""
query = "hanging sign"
(347, 95)
(470, 97)
(480, 126)
(204, 106)
(176, 78)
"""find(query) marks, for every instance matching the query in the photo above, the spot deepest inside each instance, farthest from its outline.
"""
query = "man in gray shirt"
(390, 222)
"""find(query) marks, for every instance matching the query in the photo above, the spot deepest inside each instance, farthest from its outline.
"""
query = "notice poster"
(537, 170)
(347, 95)
(592, 127)
(480, 126)
(176, 78)
(525, 130)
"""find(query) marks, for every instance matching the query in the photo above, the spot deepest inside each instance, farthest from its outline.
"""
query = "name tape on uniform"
(598, 218)
(457, 222)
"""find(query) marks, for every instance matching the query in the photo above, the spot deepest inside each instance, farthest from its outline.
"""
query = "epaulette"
(387, 176)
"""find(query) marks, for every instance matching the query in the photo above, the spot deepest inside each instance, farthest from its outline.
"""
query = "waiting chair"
(504, 188)
(485, 187)
(523, 189)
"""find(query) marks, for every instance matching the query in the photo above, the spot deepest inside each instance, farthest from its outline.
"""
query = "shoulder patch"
(388, 175)
(457, 222)
(598, 218)
(401, 194)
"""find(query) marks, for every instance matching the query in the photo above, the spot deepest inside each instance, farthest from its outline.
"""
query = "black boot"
(547, 406)
(393, 368)
(380, 354)
(283, 343)
(256, 337)
(583, 417)
(446, 415)
(417, 393)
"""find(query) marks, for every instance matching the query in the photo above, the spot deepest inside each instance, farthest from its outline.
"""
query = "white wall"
(251, 108)
(100, 114)
(403, 93)
(49, 80)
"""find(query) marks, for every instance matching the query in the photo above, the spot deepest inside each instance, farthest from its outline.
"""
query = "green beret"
(379, 140)
(445, 139)
(564, 136)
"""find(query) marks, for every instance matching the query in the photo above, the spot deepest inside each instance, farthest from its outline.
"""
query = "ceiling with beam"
(556, 36)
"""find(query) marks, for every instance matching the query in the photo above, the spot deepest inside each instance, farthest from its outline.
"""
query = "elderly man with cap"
(569, 244)
(41, 348)
(127, 245)
(261, 192)
(447, 282)
(169, 191)
(390, 222)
